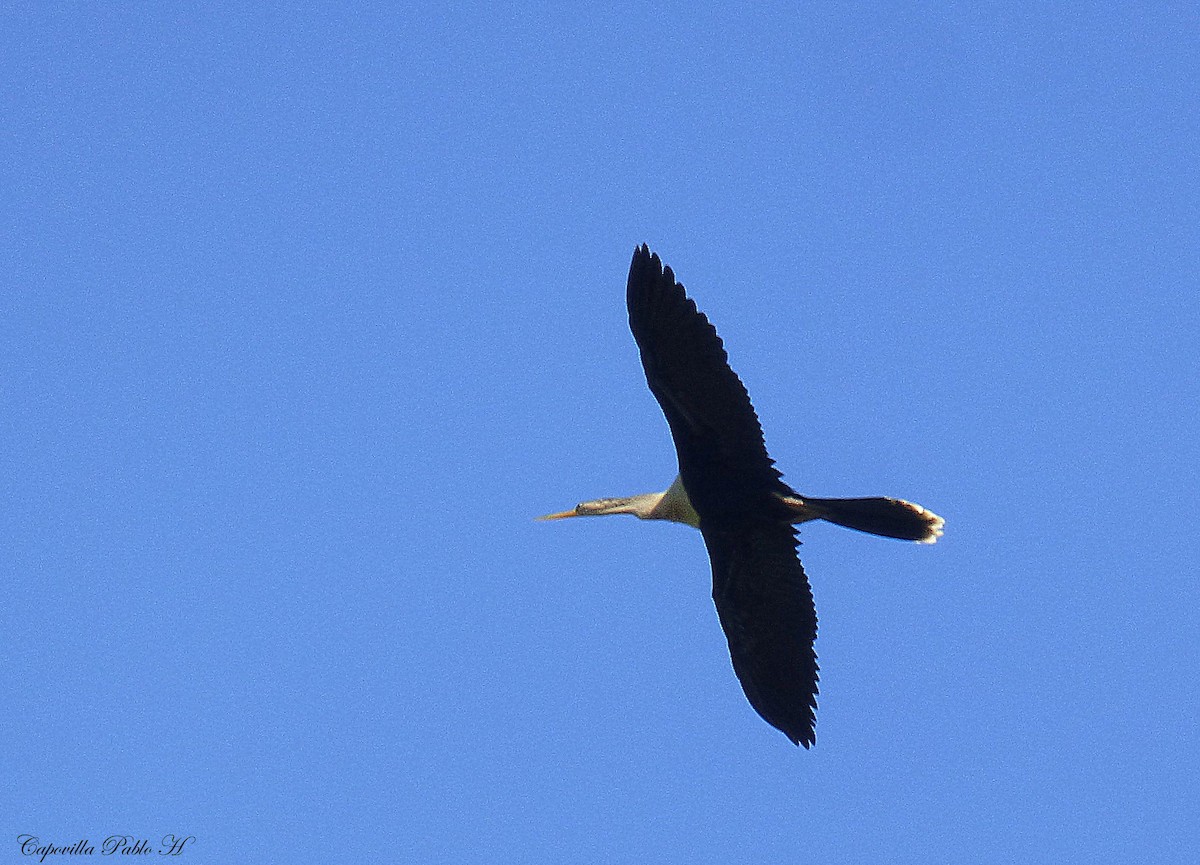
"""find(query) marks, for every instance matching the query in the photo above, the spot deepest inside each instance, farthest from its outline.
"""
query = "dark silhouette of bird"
(728, 488)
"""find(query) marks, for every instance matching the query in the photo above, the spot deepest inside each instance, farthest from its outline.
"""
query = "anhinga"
(729, 488)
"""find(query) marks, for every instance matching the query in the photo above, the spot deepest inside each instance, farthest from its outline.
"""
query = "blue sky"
(307, 311)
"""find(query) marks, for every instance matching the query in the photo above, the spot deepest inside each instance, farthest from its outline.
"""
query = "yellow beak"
(562, 515)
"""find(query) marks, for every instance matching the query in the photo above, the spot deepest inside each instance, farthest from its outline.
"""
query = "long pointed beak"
(561, 515)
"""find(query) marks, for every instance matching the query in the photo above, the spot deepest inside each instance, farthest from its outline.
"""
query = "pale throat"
(674, 505)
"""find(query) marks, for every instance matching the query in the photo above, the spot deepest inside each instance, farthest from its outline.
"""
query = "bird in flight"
(728, 488)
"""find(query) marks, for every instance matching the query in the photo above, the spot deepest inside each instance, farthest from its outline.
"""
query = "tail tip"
(933, 523)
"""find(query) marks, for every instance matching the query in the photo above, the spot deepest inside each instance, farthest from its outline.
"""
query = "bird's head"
(640, 506)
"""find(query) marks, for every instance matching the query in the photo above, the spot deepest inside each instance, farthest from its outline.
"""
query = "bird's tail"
(892, 518)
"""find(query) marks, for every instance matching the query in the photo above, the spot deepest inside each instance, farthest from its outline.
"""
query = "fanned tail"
(891, 518)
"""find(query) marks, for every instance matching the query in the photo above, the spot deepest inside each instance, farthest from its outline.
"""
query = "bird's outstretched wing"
(723, 461)
(762, 595)
(766, 610)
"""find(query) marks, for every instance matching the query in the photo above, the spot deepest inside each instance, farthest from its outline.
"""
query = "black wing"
(766, 610)
(762, 595)
(722, 458)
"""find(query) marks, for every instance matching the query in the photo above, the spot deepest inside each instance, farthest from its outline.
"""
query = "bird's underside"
(877, 515)
(729, 488)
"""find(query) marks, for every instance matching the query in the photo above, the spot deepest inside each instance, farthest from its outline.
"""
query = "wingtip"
(642, 256)
(804, 737)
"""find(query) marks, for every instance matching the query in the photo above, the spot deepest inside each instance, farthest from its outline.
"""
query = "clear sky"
(307, 311)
